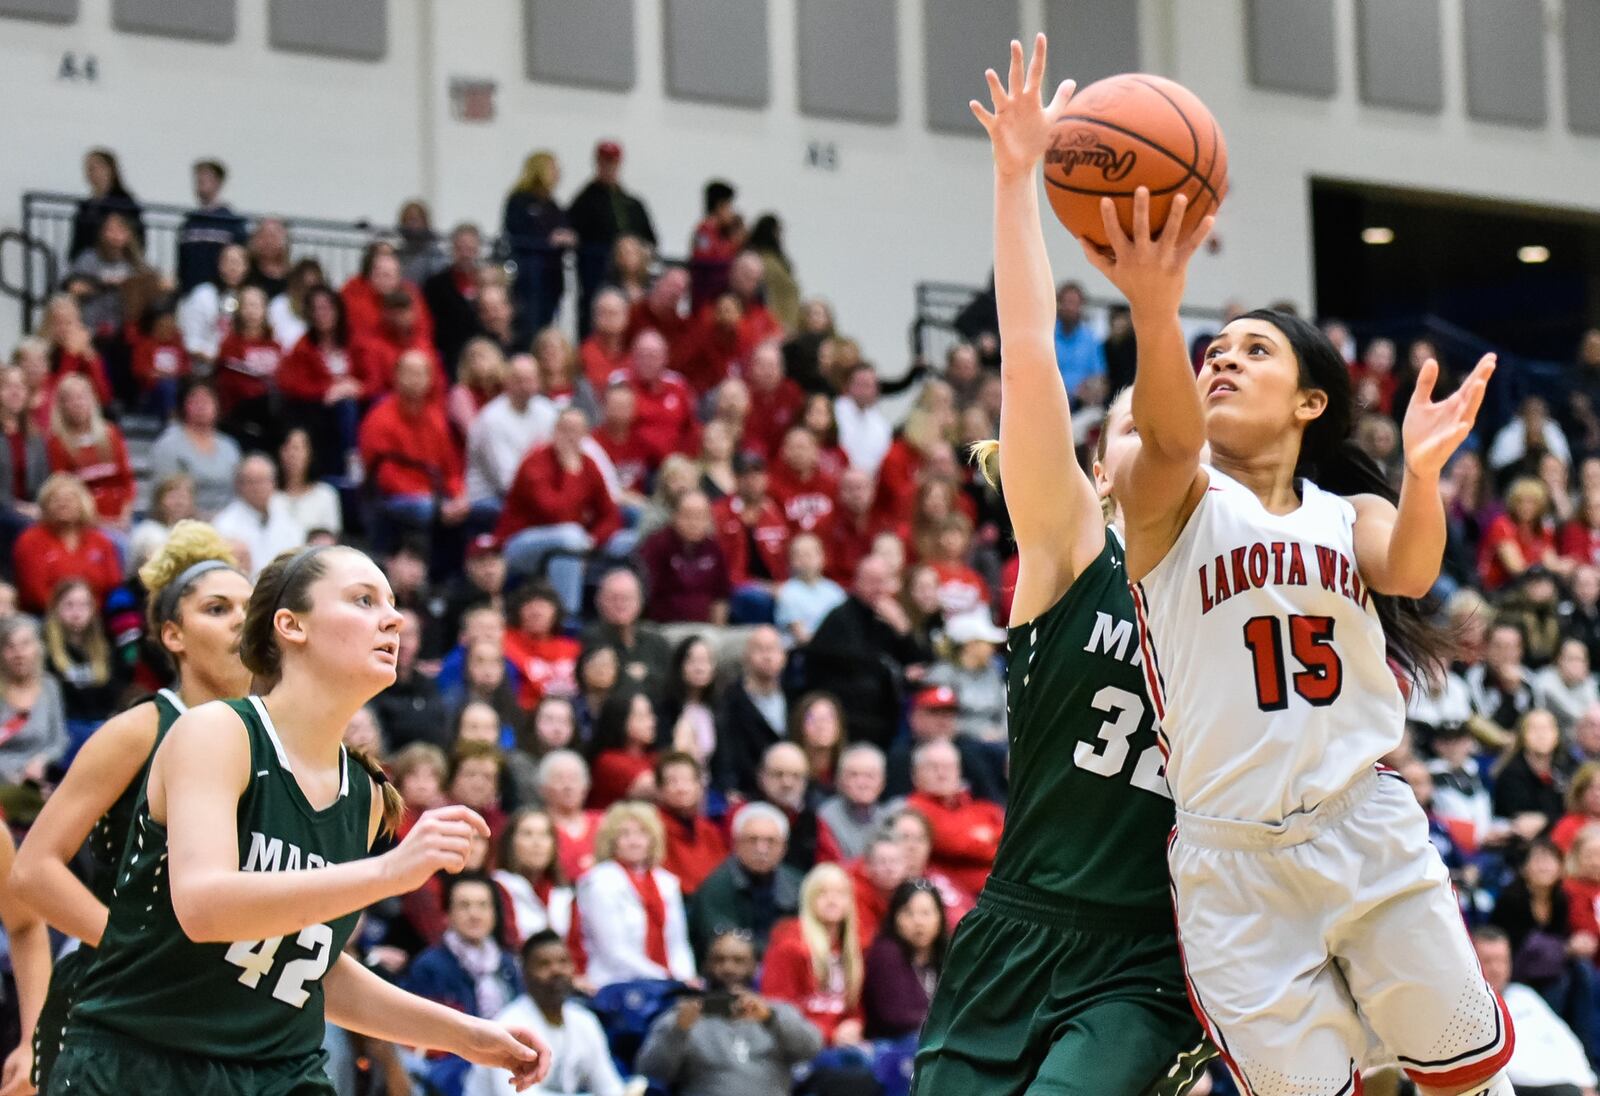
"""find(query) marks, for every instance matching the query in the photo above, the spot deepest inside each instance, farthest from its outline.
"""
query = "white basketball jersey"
(1264, 656)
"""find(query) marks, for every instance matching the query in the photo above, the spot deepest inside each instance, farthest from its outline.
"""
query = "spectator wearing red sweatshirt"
(63, 544)
(848, 533)
(775, 401)
(966, 831)
(410, 455)
(546, 661)
(715, 347)
(83, 443)
(363, 295)
(747, 281)
(605, 351)
(898, 475)
(374, 355)
(558, 509)
(319, 384)
(665, 403)
(754, 535)
(696, 846)
(247, 372)
(716, 240)
(664, 310)
(815, 962)
(685, 571)
(160, 360)
(806, 493)
(618, 434)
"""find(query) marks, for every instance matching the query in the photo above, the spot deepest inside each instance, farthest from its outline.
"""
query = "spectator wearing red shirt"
(664, 310)
(618, 434)
(564, 789)
(875, 876)
(410, 454)
(817, 416)
(247, 371)
(160, 360)
(375, 355)
(83, 443)
(624, 739)
(715, 347)
(961, 588)
(806, 493)
(559, 503)
(825, 986)
(848, 533)
(1372, 378)
(1582, 883)
(546, 661)
(716, 240)
(746, 281)
(1580, 537)
(63, 544)
(363, 295)
(664, 402)
(901, 469)
(696, 846)
(72, 345)
(685, 571)
(1520, 538)
(775, 401)
(754, 534)
(319, 386)
(605, 351)
(966, 831)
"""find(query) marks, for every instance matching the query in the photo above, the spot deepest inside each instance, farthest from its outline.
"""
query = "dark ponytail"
(394, 804)
(284, 584)
(1331, 459)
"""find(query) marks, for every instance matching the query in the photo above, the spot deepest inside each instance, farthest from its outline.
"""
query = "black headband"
(167, 599)
(289, 573)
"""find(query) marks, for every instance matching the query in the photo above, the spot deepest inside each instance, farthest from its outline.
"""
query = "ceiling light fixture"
(1377, 235)
(1533, 253)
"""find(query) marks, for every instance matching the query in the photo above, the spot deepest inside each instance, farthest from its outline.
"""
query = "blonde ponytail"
(986, 455)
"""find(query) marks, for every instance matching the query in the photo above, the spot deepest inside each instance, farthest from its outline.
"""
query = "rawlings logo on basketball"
(1081, 148)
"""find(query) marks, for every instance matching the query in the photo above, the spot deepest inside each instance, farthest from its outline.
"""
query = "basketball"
(1129, 131)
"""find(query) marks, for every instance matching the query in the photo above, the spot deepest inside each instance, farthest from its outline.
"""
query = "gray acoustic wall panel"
(1090, 39)
(1504, 43)
(961, 38)
(1581, 42)
(1292, 47)
(716, 51)
(349, 28)
(589, 44)
(205, 20)
(50, 11)
(848, 59)
(1401, 57)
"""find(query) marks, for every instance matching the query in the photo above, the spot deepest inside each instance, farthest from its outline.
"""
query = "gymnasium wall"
(866, 152)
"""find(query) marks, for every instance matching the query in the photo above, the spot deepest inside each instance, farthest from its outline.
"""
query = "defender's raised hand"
(1019, 126)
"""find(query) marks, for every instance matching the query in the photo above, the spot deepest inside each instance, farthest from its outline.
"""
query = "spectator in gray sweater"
(731, 1041)
(192, 444)
(33, 727)
(855, 813)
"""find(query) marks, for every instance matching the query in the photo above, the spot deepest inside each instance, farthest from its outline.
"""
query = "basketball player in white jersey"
(1274, 589)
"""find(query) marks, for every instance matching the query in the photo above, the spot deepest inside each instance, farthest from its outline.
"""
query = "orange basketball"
(1129, 131)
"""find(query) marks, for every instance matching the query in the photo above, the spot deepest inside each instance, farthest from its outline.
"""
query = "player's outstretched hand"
(440, 841)
(14, 1078)
(511, 1048)
(1434, 429)
(1019, 126)
(1149, 268)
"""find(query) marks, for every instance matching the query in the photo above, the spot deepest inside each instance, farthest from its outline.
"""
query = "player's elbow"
(197, 917)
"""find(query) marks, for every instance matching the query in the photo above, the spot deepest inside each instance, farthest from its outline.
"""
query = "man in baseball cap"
(600, 213)
(933, 718)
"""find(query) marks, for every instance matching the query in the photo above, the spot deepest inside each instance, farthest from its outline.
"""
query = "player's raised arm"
(1399, 548)
(1151, 270)
(1054, 509)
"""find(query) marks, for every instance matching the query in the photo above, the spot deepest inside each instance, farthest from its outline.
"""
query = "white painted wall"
(346, 139)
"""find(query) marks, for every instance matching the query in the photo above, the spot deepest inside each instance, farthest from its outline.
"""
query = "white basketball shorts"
(1304, 940)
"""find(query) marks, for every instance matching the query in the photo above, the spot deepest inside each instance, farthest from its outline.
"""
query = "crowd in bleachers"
(705, 635)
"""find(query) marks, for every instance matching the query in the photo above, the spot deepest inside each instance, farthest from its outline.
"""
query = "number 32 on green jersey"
(1126, 712)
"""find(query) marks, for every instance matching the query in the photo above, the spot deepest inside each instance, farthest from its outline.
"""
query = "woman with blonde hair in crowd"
(530, 872)
(537, 233)
(560, 378)
(197, 599)
(630, 915)
(630, 267)
(82, 442)
(814, 961)
(33, 727)
(480, 375)
(1522, 537)
(78, 654)
(66, 542)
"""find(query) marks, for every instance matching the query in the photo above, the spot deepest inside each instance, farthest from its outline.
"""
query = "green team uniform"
(104, 846)
(1066, 978)
(245, 1019)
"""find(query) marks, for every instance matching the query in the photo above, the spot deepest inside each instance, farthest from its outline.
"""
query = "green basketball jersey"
(248, 1001)
(1088, 812)
(110, 834)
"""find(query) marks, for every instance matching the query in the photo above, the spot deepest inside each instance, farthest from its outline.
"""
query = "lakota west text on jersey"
(1278, 563)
